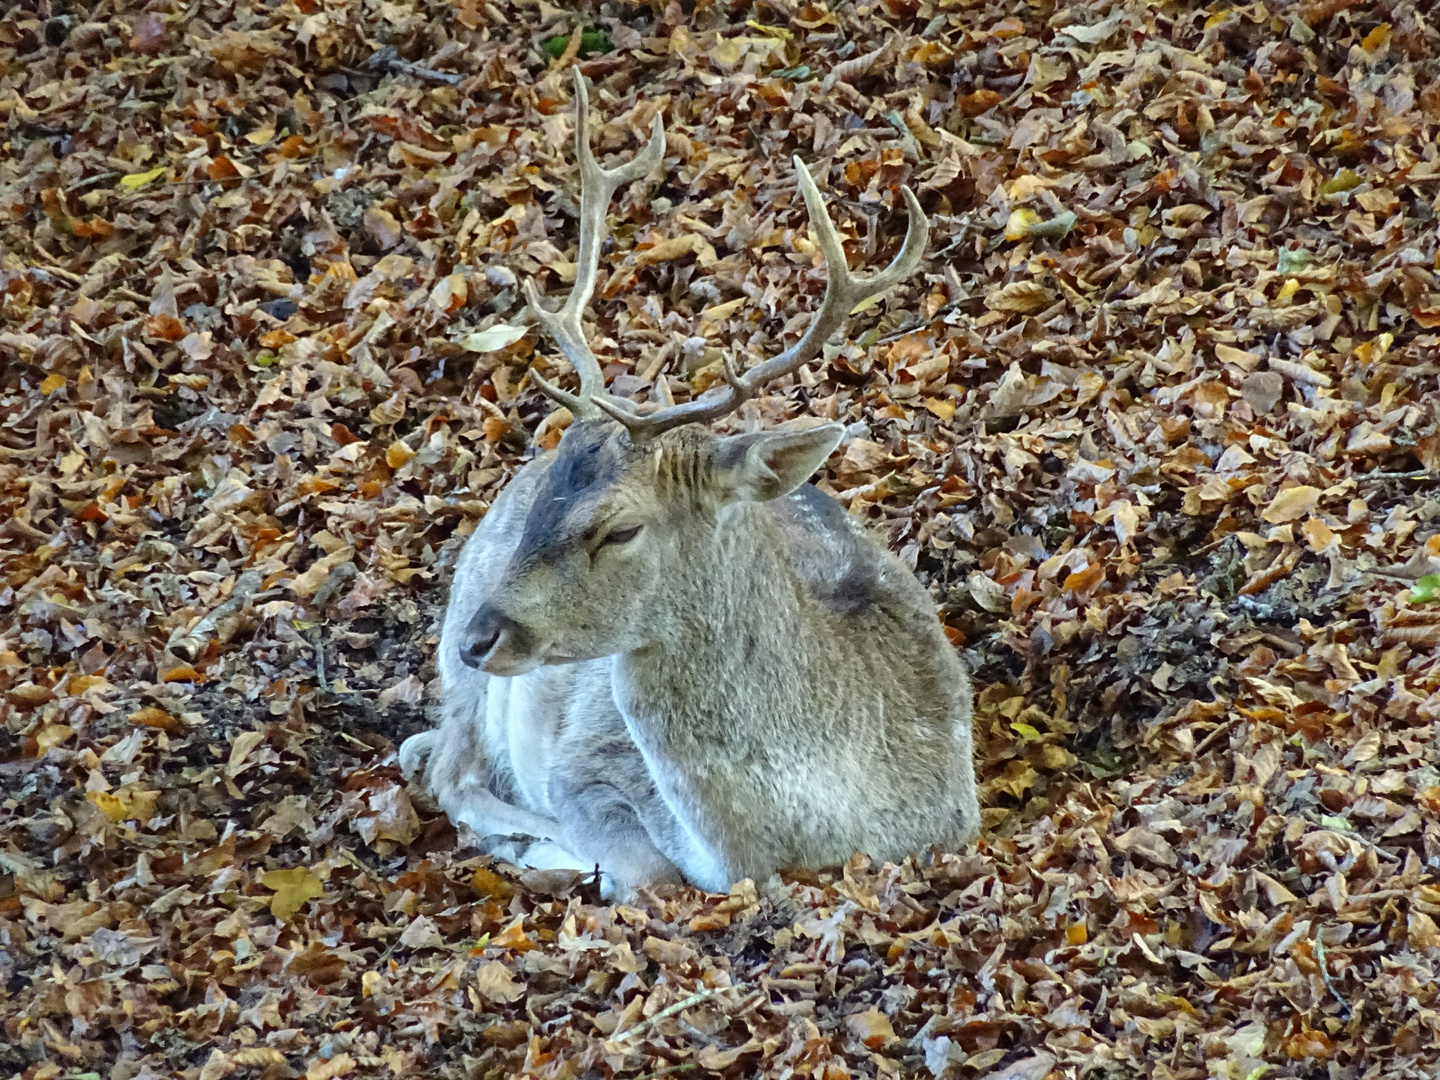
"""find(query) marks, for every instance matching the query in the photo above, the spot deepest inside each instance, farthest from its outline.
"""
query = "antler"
(843, 291)
(597, 185)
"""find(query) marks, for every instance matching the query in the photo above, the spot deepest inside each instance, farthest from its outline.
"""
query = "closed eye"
(621, 536)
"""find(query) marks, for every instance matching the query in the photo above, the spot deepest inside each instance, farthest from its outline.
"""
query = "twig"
(394, 63)
(92, 181)
(920, 324)
(668, 1070)
(450, 77)
(1204, 744)
(188, 643)
(50, 267)
(1381, 477)
(1325, 974)
(670, 1010)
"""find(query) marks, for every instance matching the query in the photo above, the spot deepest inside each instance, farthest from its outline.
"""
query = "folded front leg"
(602, 828)
(451, 765)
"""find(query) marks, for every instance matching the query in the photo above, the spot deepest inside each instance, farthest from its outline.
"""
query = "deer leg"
(488, 815)
(602, 827)
(450, 764)
(608, 809)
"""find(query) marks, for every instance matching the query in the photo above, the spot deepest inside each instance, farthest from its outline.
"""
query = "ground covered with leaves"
(1158, 427)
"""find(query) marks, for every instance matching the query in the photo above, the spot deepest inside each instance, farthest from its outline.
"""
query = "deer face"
(613, 525)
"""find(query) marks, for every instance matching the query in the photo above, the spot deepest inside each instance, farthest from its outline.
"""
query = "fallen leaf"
(493, 339)
(293, 889)
(494, 982)
(1292, 503)
(871, 1027)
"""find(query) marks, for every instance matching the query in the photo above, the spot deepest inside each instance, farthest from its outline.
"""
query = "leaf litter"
(1158, 428)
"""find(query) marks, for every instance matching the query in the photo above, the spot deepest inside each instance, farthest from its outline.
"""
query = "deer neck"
(729, 629)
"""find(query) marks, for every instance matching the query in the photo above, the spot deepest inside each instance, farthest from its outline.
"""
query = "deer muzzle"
(496, 643)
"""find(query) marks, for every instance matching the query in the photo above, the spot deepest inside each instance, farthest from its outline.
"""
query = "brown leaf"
(422, 934)
(494, 982)
(1026, 297)
(1148, 844)
(1293, 502)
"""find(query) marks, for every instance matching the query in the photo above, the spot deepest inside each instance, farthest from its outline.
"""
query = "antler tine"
(597, 186)
(843, 291)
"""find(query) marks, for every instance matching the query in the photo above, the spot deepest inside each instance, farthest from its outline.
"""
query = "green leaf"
(1426, 589)
(1293, 260)
(1026, 731)
(591, 41)
(136, 180)
(1344, 180)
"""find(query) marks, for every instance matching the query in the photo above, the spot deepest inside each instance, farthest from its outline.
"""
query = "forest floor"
(1158, 427)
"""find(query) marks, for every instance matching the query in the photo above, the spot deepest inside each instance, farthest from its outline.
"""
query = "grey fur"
(751, 683)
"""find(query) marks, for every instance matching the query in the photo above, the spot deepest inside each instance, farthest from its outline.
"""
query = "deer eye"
(621, 536)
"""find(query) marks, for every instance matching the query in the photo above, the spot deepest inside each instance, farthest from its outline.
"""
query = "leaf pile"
(1158, 427)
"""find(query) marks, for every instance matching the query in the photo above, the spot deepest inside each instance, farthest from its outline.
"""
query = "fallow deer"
(666, 655)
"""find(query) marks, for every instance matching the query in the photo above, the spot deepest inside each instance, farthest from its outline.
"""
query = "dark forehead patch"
(587, 463)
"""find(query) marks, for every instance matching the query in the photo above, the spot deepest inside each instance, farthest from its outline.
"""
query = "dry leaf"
(293, 889)
(494, 982)
(1292, 503)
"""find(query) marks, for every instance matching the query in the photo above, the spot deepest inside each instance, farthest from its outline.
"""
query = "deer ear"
(767, 464)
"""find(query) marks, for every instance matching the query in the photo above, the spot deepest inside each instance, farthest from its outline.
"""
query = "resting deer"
(667, 655)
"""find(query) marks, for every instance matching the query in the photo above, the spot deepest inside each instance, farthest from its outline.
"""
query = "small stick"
(1223, 729)
(682, 1067)
(670, 1010)
(1325, 974)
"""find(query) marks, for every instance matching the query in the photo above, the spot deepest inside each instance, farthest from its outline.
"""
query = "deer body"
(665, 654)
(793, 701)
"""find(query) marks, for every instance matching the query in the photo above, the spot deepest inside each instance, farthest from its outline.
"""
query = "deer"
(669, 657)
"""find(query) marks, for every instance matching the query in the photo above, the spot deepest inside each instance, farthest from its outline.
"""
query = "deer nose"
(487, 629)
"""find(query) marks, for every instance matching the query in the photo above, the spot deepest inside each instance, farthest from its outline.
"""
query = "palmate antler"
(843, 291)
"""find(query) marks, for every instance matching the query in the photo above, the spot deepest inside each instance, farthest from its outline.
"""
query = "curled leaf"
(493, 339)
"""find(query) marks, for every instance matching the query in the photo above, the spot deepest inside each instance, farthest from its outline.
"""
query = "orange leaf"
(152, 717)
(222, 168)
(342, 434)
(96, 228)
(1309, 1044)
(29, 696)
(513, 938)
(164, 327)
(488, 883)
(273, 339)
(1085, 580)
(978, 102)
(1317, 534)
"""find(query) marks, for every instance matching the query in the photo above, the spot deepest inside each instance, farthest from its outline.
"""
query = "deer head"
(634, 501)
